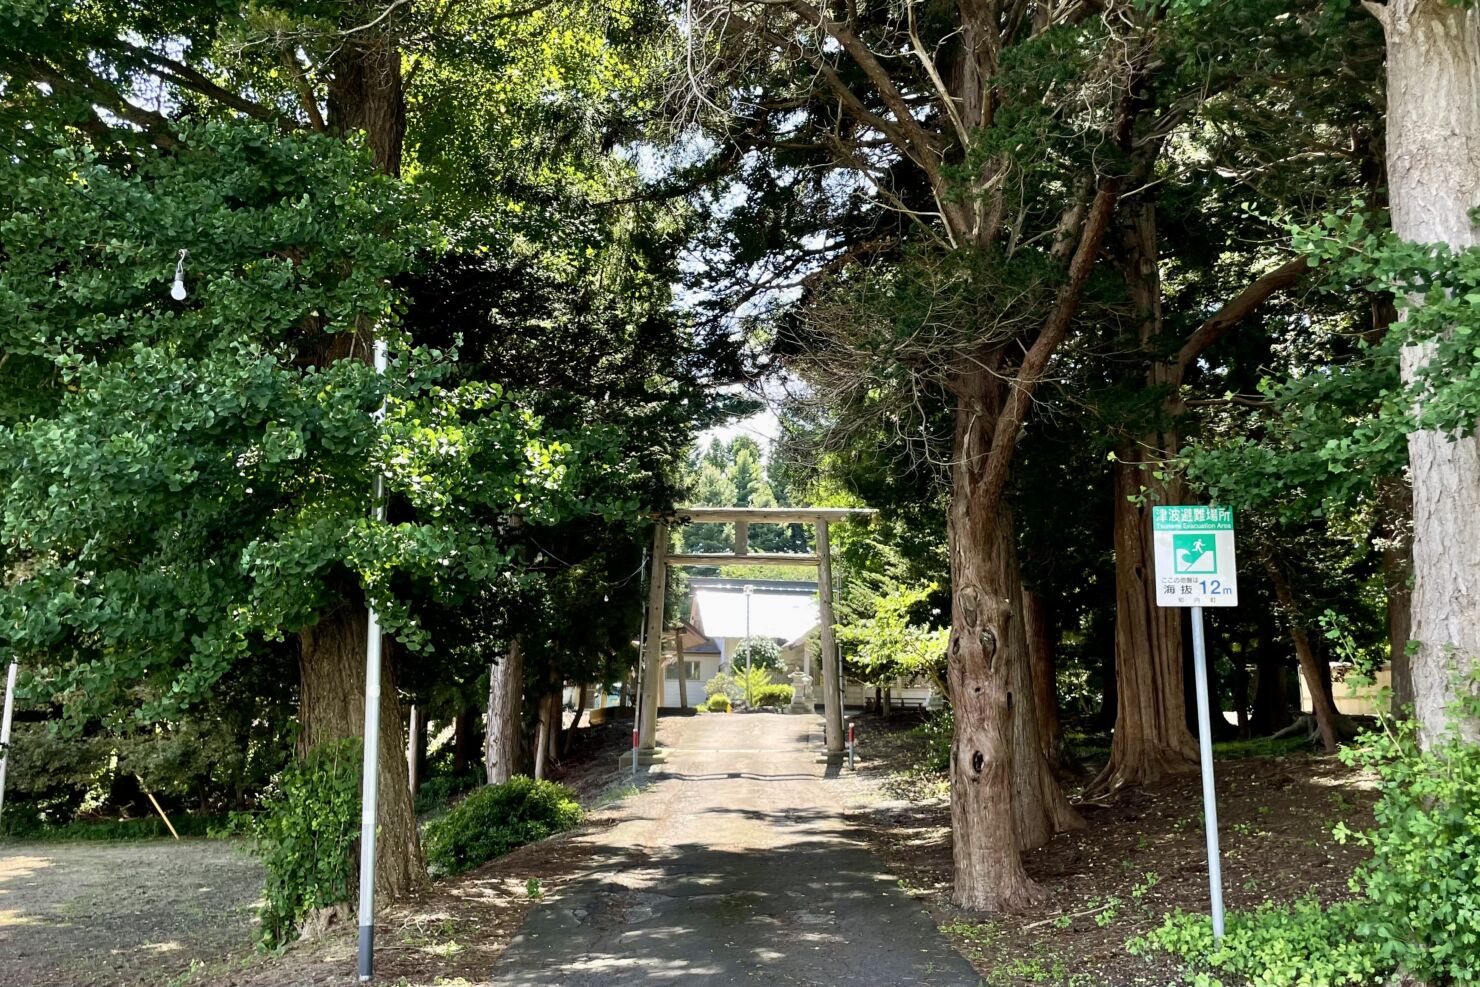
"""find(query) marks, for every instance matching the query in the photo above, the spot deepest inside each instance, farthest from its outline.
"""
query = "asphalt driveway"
(734, 866)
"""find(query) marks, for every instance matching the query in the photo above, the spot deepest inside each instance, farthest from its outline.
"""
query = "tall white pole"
(650, 670)
(1205, 742)
(5, 725)
(832, 678)
(370, 775)
(748, 590)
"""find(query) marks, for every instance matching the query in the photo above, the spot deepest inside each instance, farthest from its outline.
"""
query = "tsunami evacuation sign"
(1195, 566)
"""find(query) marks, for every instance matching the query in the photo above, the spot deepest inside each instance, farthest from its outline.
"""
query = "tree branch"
(1238, 308)
(1055, 328)
(186, 77)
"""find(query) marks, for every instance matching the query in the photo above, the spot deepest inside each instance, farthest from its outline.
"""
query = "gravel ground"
(133, 914)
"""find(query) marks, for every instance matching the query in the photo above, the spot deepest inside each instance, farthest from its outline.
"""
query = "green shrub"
(306, 838)
(718, 703)
(725, 685)
(764, 653)
(1273, 946)
(773, 696)
(1419, 892)
(496, 819)
(31, 827)
(438, 791)
(748, 687)
(938, 731)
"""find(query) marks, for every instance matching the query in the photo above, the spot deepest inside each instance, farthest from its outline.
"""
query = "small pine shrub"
(718, 703)
(306, 837)
(773, 696)
(748, 687)
(496, 819)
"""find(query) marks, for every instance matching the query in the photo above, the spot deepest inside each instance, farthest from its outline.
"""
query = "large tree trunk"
(365, 88)
(416, 750)
(991, 692)
(1040, 808)
(331, 666)
(1151, 739)
(1040, 633)
(1433, 164)
(1319, 685)
(1271, 711)
(505, 712)
(463, 741)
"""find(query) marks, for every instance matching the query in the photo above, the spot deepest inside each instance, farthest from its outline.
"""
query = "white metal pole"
(5, 725)
(748, 590)
(641, 653)
(1205, 743)
(370, 774)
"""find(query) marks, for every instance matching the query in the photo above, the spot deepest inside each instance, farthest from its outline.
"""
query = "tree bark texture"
(505, 712)
(542, 733)
(331, 666)
(996, 803)
(1271, 712)
(463, 741)
(1151, 739)
(1038, 625)
(416, 750)
(365, 88)
(1433, 165)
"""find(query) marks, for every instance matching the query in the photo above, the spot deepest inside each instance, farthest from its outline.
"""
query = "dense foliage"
(306, 837)
(1417, 898)
(496, 819)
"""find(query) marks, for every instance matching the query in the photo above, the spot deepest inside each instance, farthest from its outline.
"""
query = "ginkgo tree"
(197, 483)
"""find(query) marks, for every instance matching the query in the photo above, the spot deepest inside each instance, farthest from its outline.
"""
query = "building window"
(691, 671)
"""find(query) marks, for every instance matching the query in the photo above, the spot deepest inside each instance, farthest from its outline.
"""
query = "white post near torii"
(832, 700)
(742, 518)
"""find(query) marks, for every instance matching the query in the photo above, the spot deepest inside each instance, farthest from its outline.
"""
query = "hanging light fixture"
(177, 290)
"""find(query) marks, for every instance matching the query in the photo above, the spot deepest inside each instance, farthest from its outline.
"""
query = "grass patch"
(21, 827)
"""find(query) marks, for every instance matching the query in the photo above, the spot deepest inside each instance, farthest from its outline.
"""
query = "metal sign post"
(5, 726)
(1196, 568)
(370, 772)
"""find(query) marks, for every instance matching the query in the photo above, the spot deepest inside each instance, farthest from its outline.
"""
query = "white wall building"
(782, 610)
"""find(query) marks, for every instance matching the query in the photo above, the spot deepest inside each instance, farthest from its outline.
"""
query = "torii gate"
(742, 518)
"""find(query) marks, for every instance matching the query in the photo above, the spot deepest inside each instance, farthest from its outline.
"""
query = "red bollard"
(634, 750)
(850, 746)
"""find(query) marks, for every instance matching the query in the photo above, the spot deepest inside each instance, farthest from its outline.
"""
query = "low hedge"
(718, 703)
(772, 696)
(496, 819)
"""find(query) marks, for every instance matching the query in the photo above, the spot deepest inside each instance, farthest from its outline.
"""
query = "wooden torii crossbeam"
(742, 518)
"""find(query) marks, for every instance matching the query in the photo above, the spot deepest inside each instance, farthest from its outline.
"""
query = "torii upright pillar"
(832, 699)
(651, 672)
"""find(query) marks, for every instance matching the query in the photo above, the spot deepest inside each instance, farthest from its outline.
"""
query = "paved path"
(733, 867)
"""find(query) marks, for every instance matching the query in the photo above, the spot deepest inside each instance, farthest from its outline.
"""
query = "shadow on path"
(732, 868)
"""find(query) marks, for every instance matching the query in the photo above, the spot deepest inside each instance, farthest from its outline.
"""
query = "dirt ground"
(122, 914)
(179, 915)
(1141, 856)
